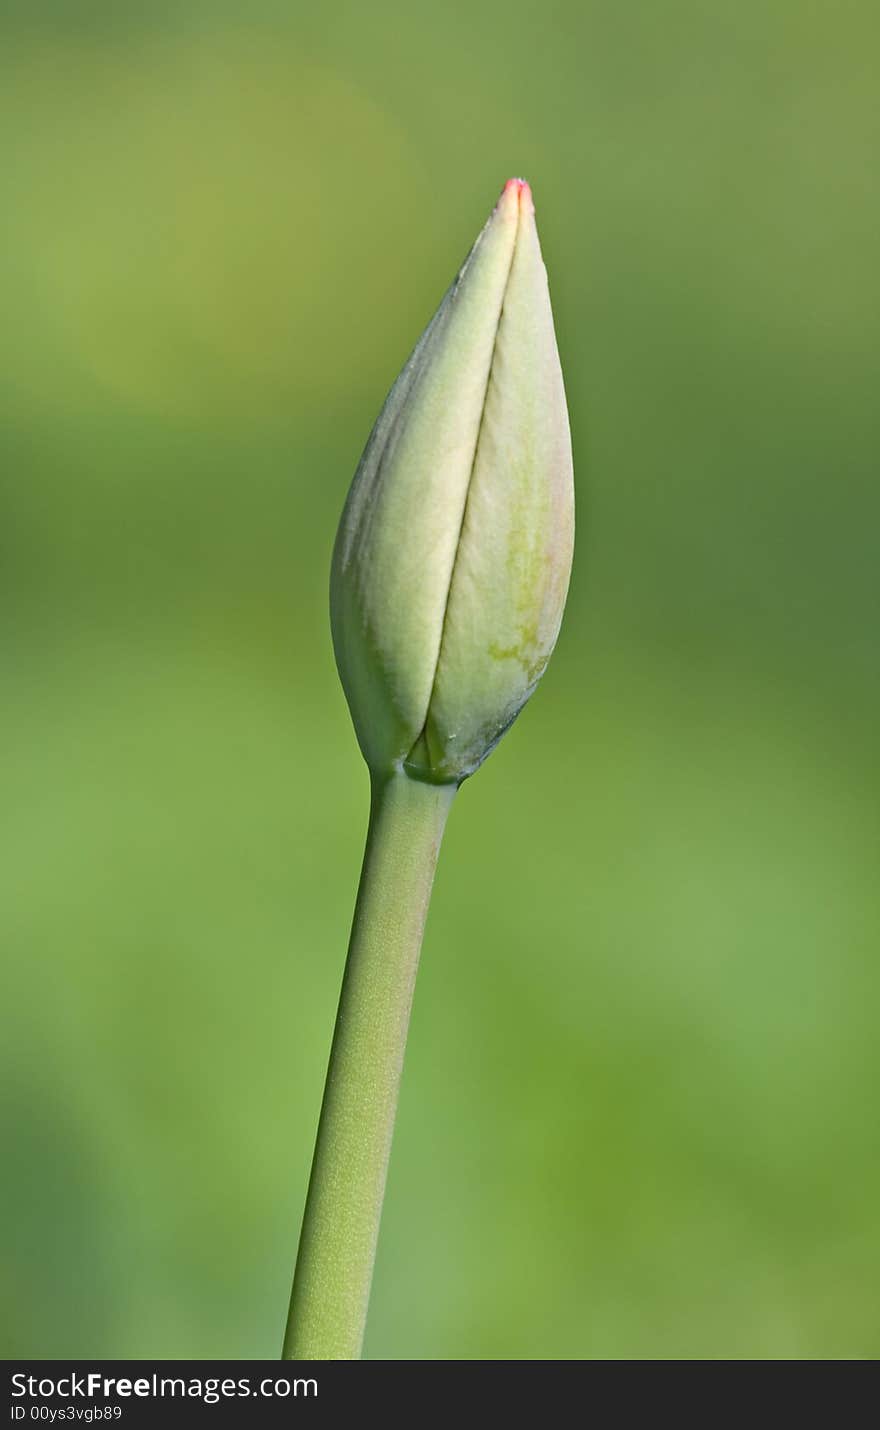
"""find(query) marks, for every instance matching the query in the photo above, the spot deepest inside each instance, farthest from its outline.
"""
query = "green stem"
(331, 1285)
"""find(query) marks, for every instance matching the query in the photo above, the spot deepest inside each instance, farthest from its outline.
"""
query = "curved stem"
(334, 1267)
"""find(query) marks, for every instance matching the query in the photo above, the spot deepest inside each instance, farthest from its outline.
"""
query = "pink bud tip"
(520, 187)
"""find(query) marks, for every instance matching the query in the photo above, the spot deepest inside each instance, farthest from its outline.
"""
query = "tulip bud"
(453, 555)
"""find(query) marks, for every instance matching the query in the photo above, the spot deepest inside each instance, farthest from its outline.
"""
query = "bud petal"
(453, 554)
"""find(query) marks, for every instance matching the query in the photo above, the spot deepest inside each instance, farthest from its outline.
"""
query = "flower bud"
(453, 554)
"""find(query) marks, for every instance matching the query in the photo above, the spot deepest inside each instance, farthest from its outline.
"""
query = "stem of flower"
(334, 1268)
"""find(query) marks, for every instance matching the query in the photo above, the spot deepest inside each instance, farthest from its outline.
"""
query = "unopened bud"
(453, 555)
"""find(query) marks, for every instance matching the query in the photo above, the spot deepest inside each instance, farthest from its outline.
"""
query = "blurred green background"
(639, 1115)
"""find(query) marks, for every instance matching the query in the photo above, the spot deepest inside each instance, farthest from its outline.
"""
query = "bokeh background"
(639, 1116)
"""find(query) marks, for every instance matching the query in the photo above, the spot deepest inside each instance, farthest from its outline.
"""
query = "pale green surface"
(398, 539)
(639, 1113)
(513, 561)
(334, 1269)
(453, 555)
